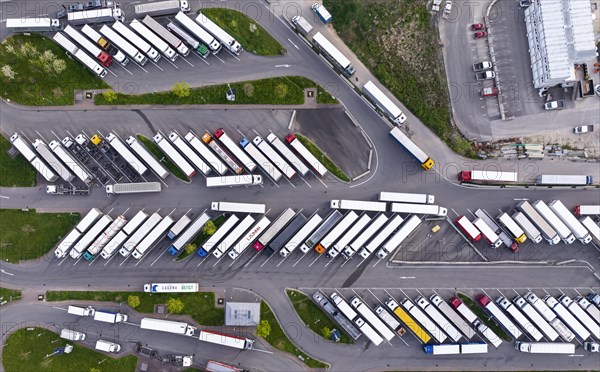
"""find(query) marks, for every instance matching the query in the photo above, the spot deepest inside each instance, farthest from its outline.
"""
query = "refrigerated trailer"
(453, 316)
(104, 238)
(274, 157)
(162, 8)
(155, 235)
(305, 154)
(208, 245)
(333, 55)
(362, 239)
(488, 176)
(147, 157)
(285, 235)
(154, 40)
(562, 230)
(343, 306)
(105, 45)
(241, 343)
(320, 232)
(468, 228)
(568, 219)
(585, 210)
(438, 318)
(300, 235)
(517, 233)
(104, 58)
(412, 149)
(373, 319)
(261, 160)
(412, 325)
(287, 154)
(178, 227)
(139, 234)
(382, 101)
(419, 209)
(122, 235)
(518, 316)
(42, 24)
(52, 160)
(199, 32)
(126, 154)
(234, 149)
(124, 45)
(425, 322)
(345, 239)
(100, 15)
(334, 234)
(396, 240)
(189, 234)
(221, 35)
(90, 63)
(201, 49)
(133, 188)
(210, 142)
(547, 231)
(233, 236)
(530, 230)
(564, 180)
(174, 155)
(136, 40)
(550, 316)
(238, 207)
(205, 153)
(89, 236)
(489, 234)
(498, 315)
(536, 318)
(368, 331)
(358, 205)
(470, 348)
(401, 197)
(171, 39)
(189, 153)
(383, 235)
(592, 227)
(282, 220)
(249, 237)
(581, 315)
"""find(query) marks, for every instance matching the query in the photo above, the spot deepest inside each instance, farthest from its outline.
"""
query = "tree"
(110, 95)
(209, 228)
(59, 65)
(326, 332)
(189, 248)
(263, 329)
(175, 306)
(133, 301)
(181, 89)
(281, 90)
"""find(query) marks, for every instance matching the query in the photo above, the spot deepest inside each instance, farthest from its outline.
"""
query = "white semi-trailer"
(419, 209)
(585, 210)
(564, 180)
(174, 155)
(189, 153)
(567, 317)
(147, 157)
(137, 41)
(425, 322)
(238, 207)
(438, 318)
(587, 306)
(287, 154)
(345, 239)
(225, 157)
(81, 227)
(536, 318)
(305, 154)
(238, 180)
(30, 156)
(201, 49)
(90, 63)
(383, 235)
(249, 237)
(44, 151)
(169, 326)
(124, 45)
(162, 8)
(161, 31)
(518, 316)
(42, 24)
(189, 234)
(547, 231)
(126, 154)
(487, 176)
(274, 157)
(222, 339)
(205, 153)
(333, 55)
(568, 219)
(550, 316)
(585, 319)
(208, 245)
(234, 149)
(373, 319)
(301, 235)
(155, 235)
(489, 234)
(463, 310)
(178, 227)
(104, 238)
(530, 230)
(385, 104)
(453, 316)
(330, 238)
(396, 240)
(501, 318)
(368, 331)
(133, 188)
(122, 235)
(362, 239)
(592, 227)
(89, 236)
(223, 37)
(105, 45)
(545, 347)
(562, 230)
(343, 306)
(154, 40)
(140, 234)
(358, 205)
(199, 32)
(233, 236)
(171, 287)
(100, 15)
(388, 319)
(262, 161)
(109, 317)
(282, 220)
(104, 58)
(515, 230)
(401, 197)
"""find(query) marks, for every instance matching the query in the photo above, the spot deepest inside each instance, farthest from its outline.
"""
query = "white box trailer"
(388, 319)
(169, 326)
(368, 331)
(287, 154)
(126, 154)
(40, 24)
(87, 221)
(547, 231)
(81, 311)
(154, 40)
(161, 31)
(545, 347)
(518, 316)
(536, 318)
(90, 63)
(419, 209)
(564, 180)
(208, 245)
(489, 234)
(213, 366)
(107, 346)
(567, 317)
(89, 236)
(447, 349)
(301, 235)
(438, 318)
(154, 236)
(189, 234)
(499, 316)
(274, 157)
(585, 210)
(333, 55)
(591, 309)
(468, 228)
(197, 31)
(320, 232)
(52, 160)
(104, 58)
(147, 157)
(487, 333)
(490, 176)
(453, 316)
(237, 180)
(396, 240)
(358, 205)
(373, 319)
(178, 227)
(104, 238)
(105, 45)
(30, 156)
(136, 40)
(63, 247)
(345, 239)
(581, 315)
(305, 154)
(201, 49)
(139, 234)
(222, 339)
(72, 335)
(362, 239)
(70, 162)
(135, 222)
(233, 236)
(238, 207)
(109, 317)
(343, 306)
(162, 8)
(174, 155)
(550, 316)
(189, 153)
(383, 235)
(592, 227)
(124, 45)
(262, 161)
(385, 104)
(221, 35)
(463, 310)
(562, 230)
(99, 15)
(568, 219)
(205, 153)
(249, 237)
(517, 233)
(530, 230)
(425, 322)
(401, 197)
(133, 188)
(234, 149)
(122, 235)
(330, 238)
(171, 287)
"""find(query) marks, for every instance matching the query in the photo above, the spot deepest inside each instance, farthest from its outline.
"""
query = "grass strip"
(26, 350)
(279, 340)
(154, 149)
(26, 234)
(15, 172)
(201, 238)
(199, 305)
(313, 316)
(9, 295)
(485, 317)
(320, 155)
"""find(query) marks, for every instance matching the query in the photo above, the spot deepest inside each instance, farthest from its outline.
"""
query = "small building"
(242, 314)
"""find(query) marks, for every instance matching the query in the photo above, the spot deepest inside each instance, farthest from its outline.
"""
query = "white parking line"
(296, 263)
(315, 260)
(157, 258)
(186, 61)
(160, 68)
(256, 254)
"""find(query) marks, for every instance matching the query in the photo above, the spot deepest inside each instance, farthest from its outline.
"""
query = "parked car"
(554, 105)
(482, 66)
(583, 129)
(477, 26)
(480, 34)
(489, 92)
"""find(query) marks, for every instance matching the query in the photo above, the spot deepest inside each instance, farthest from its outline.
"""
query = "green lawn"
(154, 149)
(313, 316)
(246, 31)
(331, 167)
(200, 305)
(274, 91)
(201, 237)
(9, 294)
(26, 350)
(485, 317)
(279, 340)
(39, 72)
(15, 172)
(28, 235)
(399, 43)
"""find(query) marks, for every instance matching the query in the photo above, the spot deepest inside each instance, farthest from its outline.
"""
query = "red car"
(477, 26)
(480, 35)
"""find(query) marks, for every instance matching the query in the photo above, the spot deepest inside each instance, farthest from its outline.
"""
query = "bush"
(181, 89)
(263, 329)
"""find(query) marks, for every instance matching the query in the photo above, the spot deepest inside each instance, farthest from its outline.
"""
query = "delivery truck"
(305, 154)
(221, 35)
(210, 158)
(358, 205)
(190, 154)
(301, 25)
(563, 231)
(189, 234)
(438, 318)
(261, 160)
(362, 239)
(487, 176)
(174, 155)
(518, 316)
(282, 220)
(162, 8)
(107, 346)
(563, 213)
(545, 347)
(105, 45)
(136, 40)
(373, 319)
(274, 157)
(212, 242)
(249, 237)
(126, 154)
(157, 233)
(38, 24)
(401, 197)
(71, 335)
(100, 15)
(419, 209)
(241, 343)
(320, 232)
(171, 287)
(171, 39)
(109, 317)
(233, 236)
(169, 326)
(547, 231)
(159, 44)
(564, 180)
(322, 13)
(227, 159)
(384, 103)
(334, 234)
(412, 149)
(300, 235)
(133, 52)
(207, 39)
(381, 237)
(350, 234)
(287, 154)
(81, 311)
(453, 316)
(178, 227)
(398, 238)
(592, 227)
(133, 188)
(498, 315)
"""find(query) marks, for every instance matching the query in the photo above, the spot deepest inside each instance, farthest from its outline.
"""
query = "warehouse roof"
(242, 314)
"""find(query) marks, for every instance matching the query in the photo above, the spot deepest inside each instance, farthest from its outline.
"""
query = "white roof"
(582, 30)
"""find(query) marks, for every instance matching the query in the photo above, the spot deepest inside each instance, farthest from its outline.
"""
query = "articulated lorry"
(234, 149)
(198, 32)
(333, 55)
(84, 224)
(583, 317)
(563, 213)
(362, 239)
(153, 236)
(171, 39)
(398, 238)
(305, 154)
(320, 232)
(591, 309)
(412, 149)
(490, 236)
(29, 154)
(536, 318)
(44, 151)
(547, 231)
(453, 316)
(545, 347)
(328, 240)
(122, 235)
(383, 235)
(233, 236)
(154, 40)
(104, 58)
(400, 197)
(586, 210)
(140, 234)
(100, 15)
(285, 235)
(438, 318)
(148, 158)
(249, 237)
(530, 230)
(105, 45)
(373, 319)
(389, 320)
(300, 235)
(237, 180)
(126, 154)
(261, 160)
(190, 154)
(468, 228)
(569, 319)
(550, 316)
(174, 155)
(227, 159)
(42, 24)
(221, 232)
(449, 349)
(200, 49)
(487, 176)
(205, 153)
(171, 287)
(463, 310)
(282, 220)
(564, 180)
(563, 231)
(516, 231)
(169, 326)
(487, 333)
(136, 40)
(89, 236)
(339, 318)
(274, 157)
(133, 52)
(287, 154)
(133, 188)
(518, 316)
(498, 315)
(358, 205)
(189, 234)
(178, 227)
(71, 335)
(81, 311)
(104, 238)
(221, 35)
(384, 103)
(350, 234)
(419, 209)
(162, 8)
(241, 343)
(592, 227)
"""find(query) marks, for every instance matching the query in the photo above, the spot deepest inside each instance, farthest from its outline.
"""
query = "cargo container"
(126, 154)
(584, 318)
(373, 319)
(282, 220)
(221, 35)
(103, 239)
(139, 234)
(174, 155)
(592, 227)
(100, 15)
(301, 235)
(427, 323)
(585, 210)
(567, 317)
(388, 319)
(136, 40)
(564, 180)
(222, 339)
(197, 31)
(487, 176)
(563, 213)
(563, 231)
(221, 232)
(42, 24)
(517, 233)
(453, 316)
(536, 318)
(358, 205)
(412, 325)
(412, 149)
(489, 235)
(233, 236)
(498, 315)
(205, 153)
(287, 154)
(249, 237)
(345, 239)
(591, 309)
(545, 347)
(105, 45)
(52, 160)
(237, 180)
(320, 232)
(104, 58)
(70, 162)
(154, 40)
(401, 197)
(234, 149)
(362, 239)
(550, 316)
(419, 209)
(185, 149)
(189, 234)
(530, 230)
(382, 101)
(169, 326)
(383, 235)
(147, 157)
(334, 234)
(468, 228)
(487, 333)
(446, 326)
(547, 231)
(305, 154)
(398, 238)
(200, 49)
(463, 310)
(171, 39)
(261, 160)
(171, 287)
(90, 236)
(154, 236)
(133, 188)
(124, 45)
(178, 227)
(337, 316)
(286, 234)
(162, 8)
(333, 55)
(518, 316)
(274, 157)
(210, 142)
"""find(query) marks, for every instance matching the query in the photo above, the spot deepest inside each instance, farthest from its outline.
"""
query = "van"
(107, 346)
(72, 335)
(81, 311)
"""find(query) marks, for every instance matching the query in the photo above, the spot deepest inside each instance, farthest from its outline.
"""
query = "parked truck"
(282, 220)
(333, 55)
(238, 180)
(200, 49)
(207, 39)
(322, 13)
(583, 317)
(586, 210)
(506, 240)
(562, 230)
(89, 236)
(320, 232)
(205, 153)
(105, 45)
(373, 319)
(107, 346)
(490, 236)
(231, 163)
(591, 309)
(241, 343)
(482, 66)
(398, 238)
(429, 209)
(171, 287)
(536, 318)
(189, 234)
(487, 333)
(517, 233)
(171, 39)
(384, 103)
(453, 316)
(545, 347)
(126, 154)
(174, 155)
(300, 235)
(185, 149)
(104, 58)
(136, 40)
(122, 235)
(362, 239)
(285, 235)
(124, 45)
(233, 236)
(162, 8)
(71, 335)
(100, 15)
(412, 149)
(485, 75)
(158, 43)
(104, 238)
(564, 180)
(274, 157)
(401, 197)
(350, 234)
(301, 25)
(547, 231)
(449, 349)
(208, 245)
(438, 318)
(287, 154)
(328, 240)
(44, 151)
(109, 317)
(463, 310)
(147, 157)
(82, 226)
(140, 234)
(498, 316)
(133, 188)
(487, 176)
(412, 325)
(518, 316)
(262, 161)
(550, 316)
(178, 227)
(383, 235)
(563, 213)
(427, 323)
(339, 318)
(169, 326)
(41, 24)
(530, 230)
(157, 233)
(304, 153)
(221, 35)
(567, 317)
(249, 237)
(358, 205)
(81, 311)
(234, 149)
(30, 156)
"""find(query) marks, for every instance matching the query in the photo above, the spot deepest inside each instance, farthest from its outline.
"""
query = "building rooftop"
(242, 314)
